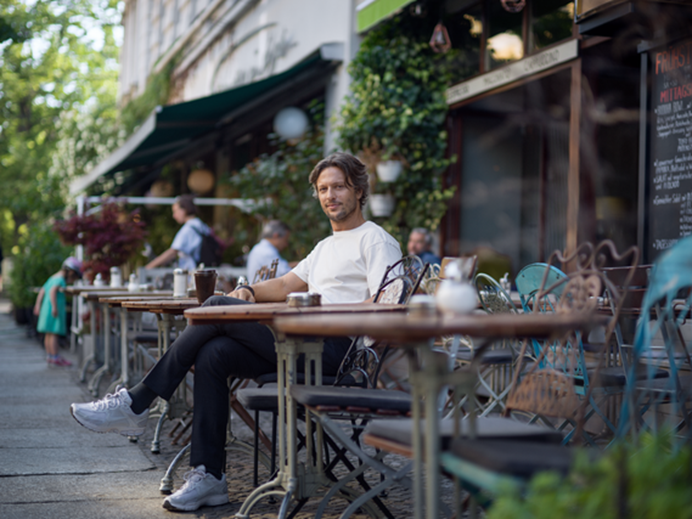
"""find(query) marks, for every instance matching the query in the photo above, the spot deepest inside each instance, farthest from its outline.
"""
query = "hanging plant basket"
(389, 170)
(382, 205)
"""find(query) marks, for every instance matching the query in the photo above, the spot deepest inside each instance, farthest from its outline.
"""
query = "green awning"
(372, 12)
(170, 128)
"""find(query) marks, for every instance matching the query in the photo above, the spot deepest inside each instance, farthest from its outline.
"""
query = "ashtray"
(296, 299)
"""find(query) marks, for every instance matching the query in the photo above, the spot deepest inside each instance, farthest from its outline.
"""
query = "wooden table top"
(74, 289)
(403, 327)
(119, 299)
(267, 311)
(96, 295)
(169, 305)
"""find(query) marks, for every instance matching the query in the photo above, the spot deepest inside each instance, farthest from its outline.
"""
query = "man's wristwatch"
(247, 287)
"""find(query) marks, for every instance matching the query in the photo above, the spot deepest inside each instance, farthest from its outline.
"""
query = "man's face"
(416, 243)
(339, 201)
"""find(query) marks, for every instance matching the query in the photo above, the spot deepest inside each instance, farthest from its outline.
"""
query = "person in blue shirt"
(188, 240)
(419, 243)
(273, 239)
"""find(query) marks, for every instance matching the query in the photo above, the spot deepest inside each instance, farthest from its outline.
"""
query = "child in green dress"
(50, 309)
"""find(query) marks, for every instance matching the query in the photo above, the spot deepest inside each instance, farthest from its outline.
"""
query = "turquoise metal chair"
(662, 342)
(545, 288)
(488, 467)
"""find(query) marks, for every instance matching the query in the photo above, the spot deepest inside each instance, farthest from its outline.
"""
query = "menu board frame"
(667, 143)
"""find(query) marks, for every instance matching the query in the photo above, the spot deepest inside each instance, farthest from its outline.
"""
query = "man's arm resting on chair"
(272, 290)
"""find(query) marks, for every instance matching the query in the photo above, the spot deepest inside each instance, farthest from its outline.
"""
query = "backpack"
(211, 251)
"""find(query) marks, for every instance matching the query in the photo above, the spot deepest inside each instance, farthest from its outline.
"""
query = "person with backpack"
(189, 240)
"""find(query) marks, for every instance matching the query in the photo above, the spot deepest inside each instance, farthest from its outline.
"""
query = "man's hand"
(243, 293)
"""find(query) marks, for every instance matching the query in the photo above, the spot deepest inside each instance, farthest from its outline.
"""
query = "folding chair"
(559, 292)
(266, 272)
(662, 341)
(351, 396)
(496, 366)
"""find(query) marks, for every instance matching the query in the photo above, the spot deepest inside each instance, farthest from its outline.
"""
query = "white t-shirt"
(263, 253)
(348, 266)
(188, 243)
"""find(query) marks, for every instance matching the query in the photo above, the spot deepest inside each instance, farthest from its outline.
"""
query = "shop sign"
(535, 63)
(585, 7)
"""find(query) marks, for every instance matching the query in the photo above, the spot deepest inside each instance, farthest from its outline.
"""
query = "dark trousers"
(219, 351)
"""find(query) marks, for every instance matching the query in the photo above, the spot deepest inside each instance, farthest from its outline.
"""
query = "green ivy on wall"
(397, 110)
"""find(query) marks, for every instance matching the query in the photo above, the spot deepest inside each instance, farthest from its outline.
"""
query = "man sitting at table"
(345, 267)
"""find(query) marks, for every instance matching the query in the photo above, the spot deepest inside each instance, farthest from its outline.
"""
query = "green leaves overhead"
(58, 68)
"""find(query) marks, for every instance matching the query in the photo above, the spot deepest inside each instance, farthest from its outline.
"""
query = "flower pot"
(389, 170)
(382, 205)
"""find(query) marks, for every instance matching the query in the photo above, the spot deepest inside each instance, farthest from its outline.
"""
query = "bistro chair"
(553, 387)
(496, 366)
(349, 395)
(559, 292)
(266, 272)
(661, 343)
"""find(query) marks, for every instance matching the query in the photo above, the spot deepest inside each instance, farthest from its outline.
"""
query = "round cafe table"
(415, 332)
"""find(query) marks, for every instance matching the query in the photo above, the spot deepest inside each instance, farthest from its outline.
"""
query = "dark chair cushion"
(327, 380)
(615, 375)
(489, 427)
(498, 356)
(259, 398)
(517, 458)
(352, 397)
(142, 337)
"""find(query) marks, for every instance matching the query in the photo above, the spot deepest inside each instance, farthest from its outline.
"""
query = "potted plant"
(110, 237)
(647, 481)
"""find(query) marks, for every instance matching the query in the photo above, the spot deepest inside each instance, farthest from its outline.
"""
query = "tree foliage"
(40, 255)
(58, 74)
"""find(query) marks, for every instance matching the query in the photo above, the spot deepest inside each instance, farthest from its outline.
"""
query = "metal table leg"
(90, 344)
(294, 480)
(106, 367)
(178, 403)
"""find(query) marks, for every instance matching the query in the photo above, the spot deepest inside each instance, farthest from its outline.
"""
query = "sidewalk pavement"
(52, 468)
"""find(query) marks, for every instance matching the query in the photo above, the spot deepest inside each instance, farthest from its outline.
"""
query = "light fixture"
(440, 42)
(200, 181)
(290, 123)
(513, 6)
(161, 189)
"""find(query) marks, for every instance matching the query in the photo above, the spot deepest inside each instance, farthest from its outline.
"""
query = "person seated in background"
(273, 239)
(346, 267)
(419, 243)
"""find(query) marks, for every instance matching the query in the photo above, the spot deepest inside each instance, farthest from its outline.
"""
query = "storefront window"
(465, 30)
(505, 36)
(552, 21)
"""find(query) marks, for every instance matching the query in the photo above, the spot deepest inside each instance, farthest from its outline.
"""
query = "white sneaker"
(111, 414)
(200, 489)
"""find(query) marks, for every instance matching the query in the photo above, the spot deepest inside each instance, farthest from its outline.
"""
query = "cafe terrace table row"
(300, 330)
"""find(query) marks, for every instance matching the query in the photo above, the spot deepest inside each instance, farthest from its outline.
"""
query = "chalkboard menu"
(670, 152)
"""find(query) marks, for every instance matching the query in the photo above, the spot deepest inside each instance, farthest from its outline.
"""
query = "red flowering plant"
(110, 236)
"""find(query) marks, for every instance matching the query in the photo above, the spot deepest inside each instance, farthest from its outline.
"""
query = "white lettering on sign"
(512, 72)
